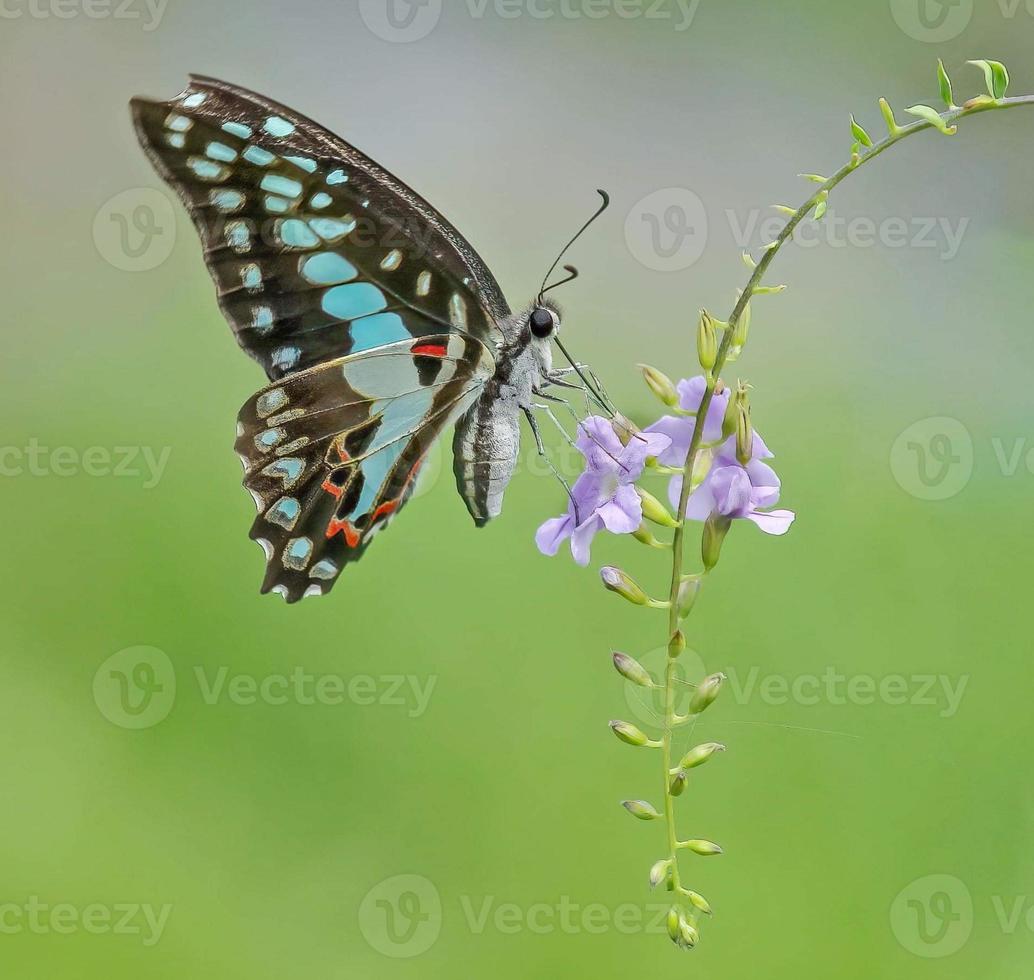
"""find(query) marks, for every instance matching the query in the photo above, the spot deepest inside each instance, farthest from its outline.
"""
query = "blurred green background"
(469, 750)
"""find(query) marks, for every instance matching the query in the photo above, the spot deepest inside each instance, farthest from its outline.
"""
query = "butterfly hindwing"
(330, 454)
(316, 251)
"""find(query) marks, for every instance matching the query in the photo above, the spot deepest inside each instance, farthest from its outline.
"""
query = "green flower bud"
(739, 335)
(678, 784)
(660, 384)
(700, 755)
(674, 923)
(640, 809)
(659, 872)
(632, 670)
(704, 848)
(617, 581)
(704, 696)
(715, 530)
(888, 117)
(654, 511)
(688, 934)
(688, 592)
(676, 645)
(944, 83)
(629, 734)
(707, 341)
(744, 435)
(933, 117)
(996, 75)
(859, 133)
(700, 903)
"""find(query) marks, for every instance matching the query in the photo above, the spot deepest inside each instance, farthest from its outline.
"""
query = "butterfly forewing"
(330, 455)
(315, 250)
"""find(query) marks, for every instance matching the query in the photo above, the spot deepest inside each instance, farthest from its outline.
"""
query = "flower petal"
(774, 522)
(623, 513)
(599, 444)
(550, 535)
(732, 490)
(679, 432)
(581, 539)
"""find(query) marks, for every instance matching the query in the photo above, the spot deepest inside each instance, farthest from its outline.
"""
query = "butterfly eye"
(542, 323)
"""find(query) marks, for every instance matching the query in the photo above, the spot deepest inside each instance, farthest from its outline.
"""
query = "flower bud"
(632, 670)
(676, 645)
(715, 530)
(654, 511)
(660, 384)
(674, 922)
(678, 784)
(700, 755)
(744, 436)
(704, 848)
(659, 872)
(640, 809)
(740, 334)
(688, 592)
(704, 696)
(707, 341)
(617, 581)
(700, 903)
(688, 934)
(629, 734)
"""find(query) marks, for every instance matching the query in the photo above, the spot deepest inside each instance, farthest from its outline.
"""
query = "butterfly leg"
(540, 447)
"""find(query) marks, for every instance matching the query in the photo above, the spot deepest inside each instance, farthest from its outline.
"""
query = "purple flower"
(737, 491)
(604, 496)
(679, 429)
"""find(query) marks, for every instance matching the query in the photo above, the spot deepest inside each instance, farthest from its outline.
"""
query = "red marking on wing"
(429, 350)
(345, 458)
(352, 536)
(388, 507)
(333, 490)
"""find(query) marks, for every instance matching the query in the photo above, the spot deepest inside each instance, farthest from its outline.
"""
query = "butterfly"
(376, 322)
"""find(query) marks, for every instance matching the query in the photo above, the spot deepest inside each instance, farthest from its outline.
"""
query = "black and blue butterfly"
(376, 322)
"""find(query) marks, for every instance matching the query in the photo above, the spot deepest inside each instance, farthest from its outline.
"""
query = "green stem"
(678, 543)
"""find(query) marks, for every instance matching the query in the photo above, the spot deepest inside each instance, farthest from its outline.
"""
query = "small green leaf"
(814, 178)
(996, 76)
(768, 290)
(748, 261)
(859, 133)
(945, 85)
(784, 209)
(822, 206)
(888, 117)
(933, 117)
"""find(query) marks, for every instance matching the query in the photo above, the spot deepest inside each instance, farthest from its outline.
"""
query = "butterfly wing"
(316, 251)
(330, 454)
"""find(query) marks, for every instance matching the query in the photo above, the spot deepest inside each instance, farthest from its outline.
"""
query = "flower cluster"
(605, 496)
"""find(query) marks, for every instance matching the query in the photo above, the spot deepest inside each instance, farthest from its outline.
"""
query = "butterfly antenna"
(603, 207)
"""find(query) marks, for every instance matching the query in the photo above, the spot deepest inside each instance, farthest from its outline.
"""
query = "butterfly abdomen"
(485, 450)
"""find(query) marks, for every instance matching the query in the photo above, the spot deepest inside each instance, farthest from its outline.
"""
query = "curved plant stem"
(896, 135)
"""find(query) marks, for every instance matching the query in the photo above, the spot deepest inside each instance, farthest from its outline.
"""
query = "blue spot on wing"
(354, 300)
(373, 331)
